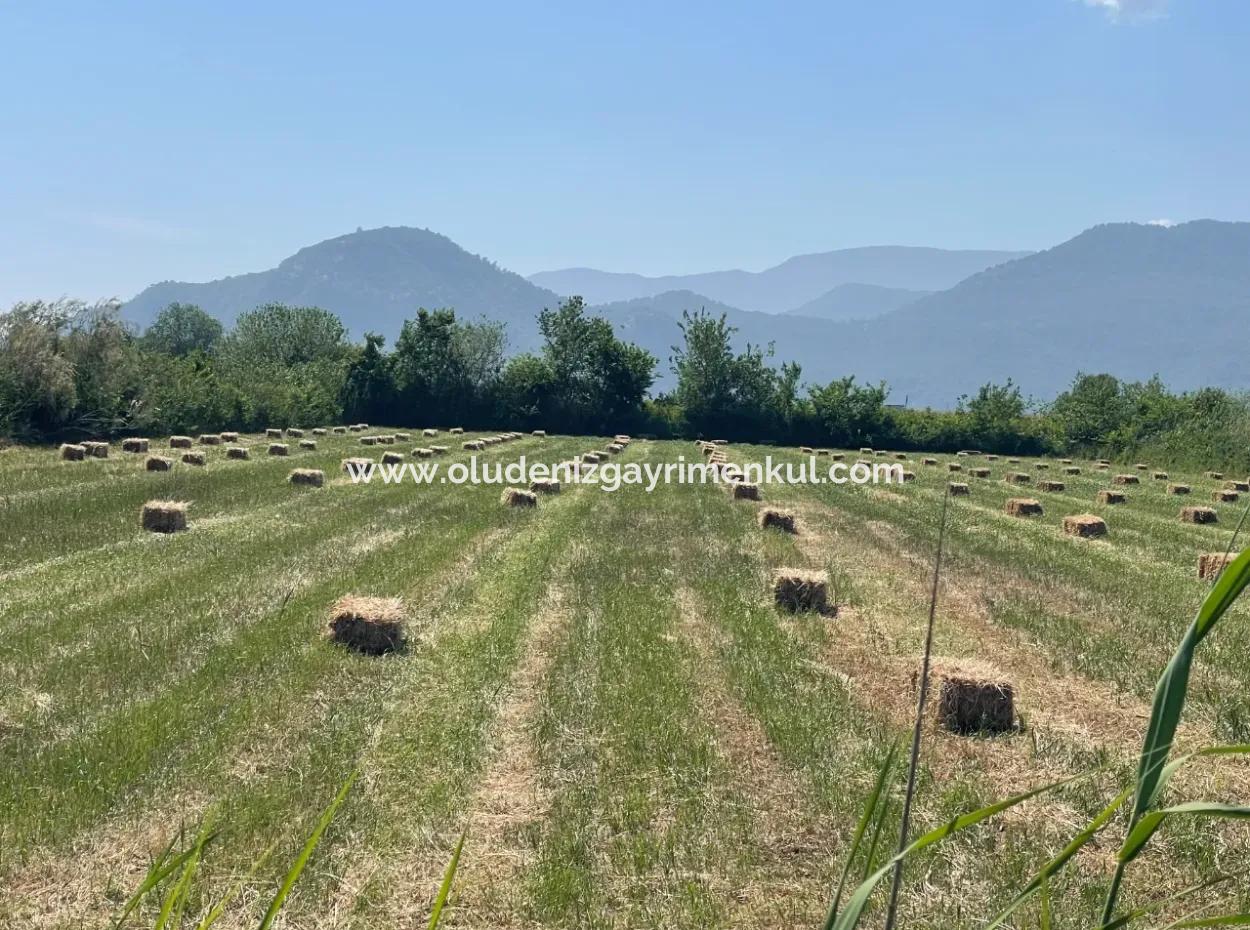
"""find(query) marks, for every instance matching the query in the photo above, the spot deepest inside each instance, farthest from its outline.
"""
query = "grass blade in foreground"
(870, 811)
(1169, 701)
(306, 853)
(444, 890)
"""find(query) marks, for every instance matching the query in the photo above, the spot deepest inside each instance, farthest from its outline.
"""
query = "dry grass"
(772, 518)
(370, 625)
(1085, 525)
(516, 497)
(799, 590)
(164, 516)
(1022, 507)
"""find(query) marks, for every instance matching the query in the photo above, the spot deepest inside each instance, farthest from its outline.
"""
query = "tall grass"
(1147, 817)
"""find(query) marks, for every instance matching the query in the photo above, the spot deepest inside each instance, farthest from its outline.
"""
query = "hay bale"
(772, 518)
(1160, 476)
(1065, 461)
(1013, 461)
(370, 625)
(545, 487)
(363, 426)
(928, 461)
(279, 448)
(402, 437)
(456, 430)
(194, 458)
(387, 439)
(339, 430)
(356, 464)
(516, 497)
(973, 704)
(1141, 467)
(1225, 496)
(799, 590)
(1041, 466)
(1104, 461)
(616, 448)
(73, 451)
(991, 458)
(439, 450)
(423, 453)
(591, 458)
(474, 445)
(1210, 564)
(959, 489)
(1199, 515)
(164, 516)
(238, 452)
(540, 433)
(954, 466)
(909, 476)
(210, 439)
(356, 428)
(368, 440)
(865, 451)
(742, 491)
(1217, 475)
(1085, 525)
(273, 434)
(180, 442)
(96, 450)
(310, 444)
(806, 450)
(1242, 486)
(901, 456)
(157, 463)
(294, 433)
(1178, 489)
(229, 436)
(1023, 507)
(1102, 466)
(134, 445)
(1071, 470)
(1125, 479)
(1017, 477)
(392, 458)
(837, 456)
(979, 472)
(429, 432)
(1053, 487)
(319, 431)
(312, 477)
(1112, 497)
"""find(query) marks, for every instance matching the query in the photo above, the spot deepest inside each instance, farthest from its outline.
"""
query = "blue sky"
(167, 140)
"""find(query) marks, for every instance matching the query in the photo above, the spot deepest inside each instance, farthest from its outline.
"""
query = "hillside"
(1129, 299)
(792, 283)
(857, 302)
(374, 279)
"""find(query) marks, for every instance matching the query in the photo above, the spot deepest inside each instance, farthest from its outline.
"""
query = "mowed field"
(600, 688)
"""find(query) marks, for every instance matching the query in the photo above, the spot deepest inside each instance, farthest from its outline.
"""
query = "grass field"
(600, 688)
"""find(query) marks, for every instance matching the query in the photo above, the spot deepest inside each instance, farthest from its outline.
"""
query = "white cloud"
(1121, 10)
(1161, 222)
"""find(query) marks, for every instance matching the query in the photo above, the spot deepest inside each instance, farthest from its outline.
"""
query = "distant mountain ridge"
(374, 279)
(1129, 299)
(792, 283)
(858, 302)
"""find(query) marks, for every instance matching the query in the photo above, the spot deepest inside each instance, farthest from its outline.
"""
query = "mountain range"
(1130, 299)
(793, 283)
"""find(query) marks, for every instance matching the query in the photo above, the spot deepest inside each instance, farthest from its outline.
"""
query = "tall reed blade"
(913, 764)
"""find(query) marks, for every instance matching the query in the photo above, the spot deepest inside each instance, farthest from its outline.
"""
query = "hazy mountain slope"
(373, 279)
(1124, 298)
(792, 283)
(857, 302)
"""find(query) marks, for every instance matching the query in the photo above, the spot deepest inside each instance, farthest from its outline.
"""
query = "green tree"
(995, 415)
(369, 388)
(851, 414)
(1092, 410)
(181, 329)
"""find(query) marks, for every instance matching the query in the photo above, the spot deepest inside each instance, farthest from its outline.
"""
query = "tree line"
(70, 369)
